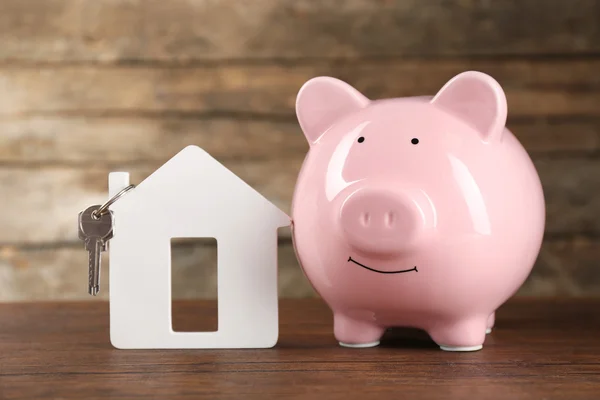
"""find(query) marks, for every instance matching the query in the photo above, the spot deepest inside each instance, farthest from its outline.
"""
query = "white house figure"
(193, 196)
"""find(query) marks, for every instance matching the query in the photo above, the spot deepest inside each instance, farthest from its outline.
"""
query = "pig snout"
(379, 221)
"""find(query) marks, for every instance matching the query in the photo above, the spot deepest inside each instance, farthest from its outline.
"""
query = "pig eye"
(415, 141)
(361, 139)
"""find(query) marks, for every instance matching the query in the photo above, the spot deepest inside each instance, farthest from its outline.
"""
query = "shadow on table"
(407, 338)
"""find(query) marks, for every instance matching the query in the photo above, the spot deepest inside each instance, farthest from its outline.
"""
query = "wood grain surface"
(539, 349)
(93, 86)
(97, 140)
(533, 87)
(131, 30)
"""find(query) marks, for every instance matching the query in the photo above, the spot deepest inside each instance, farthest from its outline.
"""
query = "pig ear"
(322, 101)
(477, 99)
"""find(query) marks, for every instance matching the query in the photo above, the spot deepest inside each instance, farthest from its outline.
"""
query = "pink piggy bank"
(415, 212)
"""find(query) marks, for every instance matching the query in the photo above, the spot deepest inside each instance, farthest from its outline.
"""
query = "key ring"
(102, 210)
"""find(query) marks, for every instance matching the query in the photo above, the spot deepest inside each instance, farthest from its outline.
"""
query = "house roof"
(196, 171)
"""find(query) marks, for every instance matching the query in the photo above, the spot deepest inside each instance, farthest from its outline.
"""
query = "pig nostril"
(390, 218)
(365, 218)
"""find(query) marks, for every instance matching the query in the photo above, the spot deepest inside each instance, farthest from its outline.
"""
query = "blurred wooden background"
(93, 86)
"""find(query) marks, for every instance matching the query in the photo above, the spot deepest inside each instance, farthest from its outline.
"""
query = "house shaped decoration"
(193, 196)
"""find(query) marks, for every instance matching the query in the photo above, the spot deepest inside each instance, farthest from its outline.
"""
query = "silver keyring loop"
(102, 210)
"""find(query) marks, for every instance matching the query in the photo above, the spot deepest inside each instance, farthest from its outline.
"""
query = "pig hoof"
(488, 331)
(352, 332)
(359, 345)
(465, 335)
(461, 348)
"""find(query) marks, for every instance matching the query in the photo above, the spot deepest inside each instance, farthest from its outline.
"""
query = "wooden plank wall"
(93, 86)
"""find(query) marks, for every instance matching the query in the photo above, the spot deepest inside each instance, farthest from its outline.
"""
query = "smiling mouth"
(383, 272)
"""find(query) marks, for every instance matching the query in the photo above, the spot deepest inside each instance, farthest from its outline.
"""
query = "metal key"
(95, 231)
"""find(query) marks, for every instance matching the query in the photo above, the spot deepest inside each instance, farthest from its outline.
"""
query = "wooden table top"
(540, 349)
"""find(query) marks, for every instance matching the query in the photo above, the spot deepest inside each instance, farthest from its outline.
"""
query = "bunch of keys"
(96, 229)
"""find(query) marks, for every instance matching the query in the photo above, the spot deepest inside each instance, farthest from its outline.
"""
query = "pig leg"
(490, 322)
(462, 335)
(351, 332)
